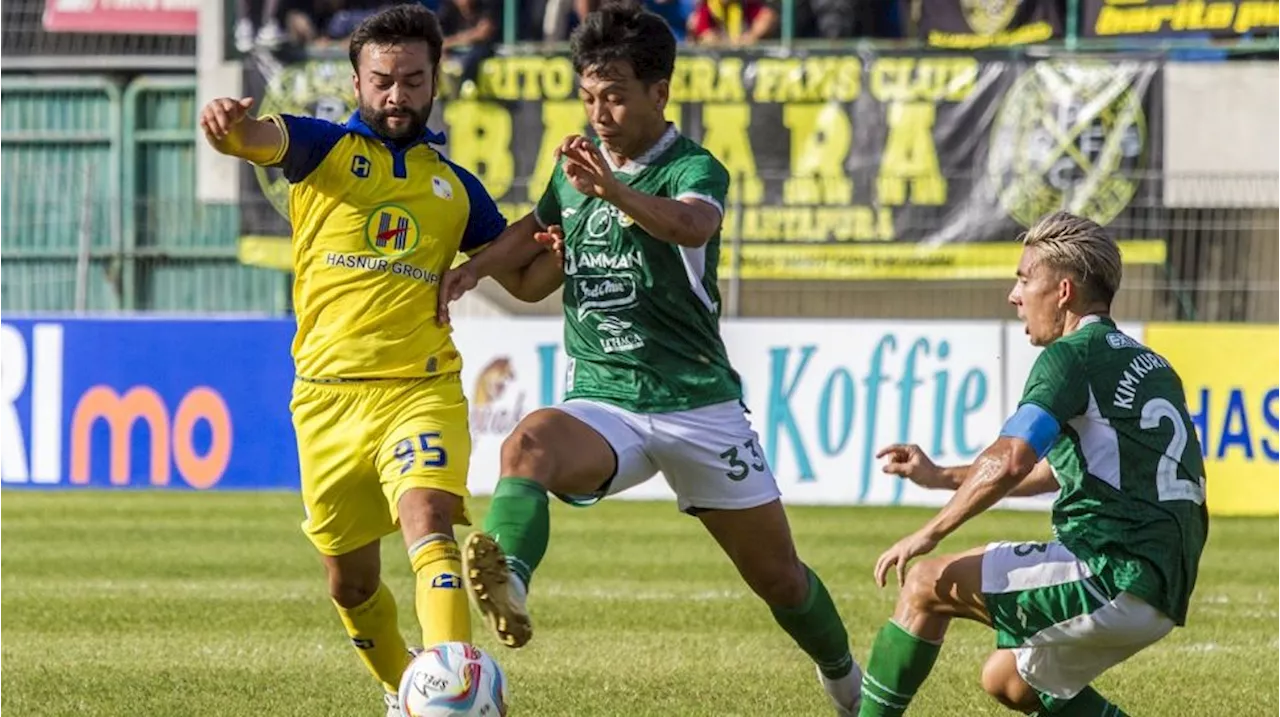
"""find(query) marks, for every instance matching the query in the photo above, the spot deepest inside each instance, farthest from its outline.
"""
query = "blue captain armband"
(1034, 425)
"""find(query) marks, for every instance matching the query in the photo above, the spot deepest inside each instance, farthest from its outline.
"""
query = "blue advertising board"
(196, 404)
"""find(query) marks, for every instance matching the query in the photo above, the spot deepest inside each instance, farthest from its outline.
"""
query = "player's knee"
(1000, 679)
(352, 589)
(783, 584)
(920, 589)
(527, 452)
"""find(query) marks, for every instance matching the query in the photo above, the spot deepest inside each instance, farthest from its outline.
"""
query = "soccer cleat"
(845, 692)
(392, 702)
(498, 594)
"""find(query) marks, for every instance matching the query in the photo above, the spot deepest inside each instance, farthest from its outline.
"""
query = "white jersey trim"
(704, 197)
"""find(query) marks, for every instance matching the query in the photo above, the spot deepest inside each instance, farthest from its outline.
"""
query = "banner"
(1230, 374)
(204, 404)
(973, 24)
(844, 165)
(188, 404)
(134, 403)
(1164, 18)
(126, 17)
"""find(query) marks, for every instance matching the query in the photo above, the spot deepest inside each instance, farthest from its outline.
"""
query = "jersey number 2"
(1168, 485)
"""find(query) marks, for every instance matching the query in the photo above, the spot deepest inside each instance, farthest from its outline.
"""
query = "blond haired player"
(1103, 421)
(378, 215)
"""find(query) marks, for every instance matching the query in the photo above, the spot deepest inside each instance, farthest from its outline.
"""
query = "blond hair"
(1080, 247)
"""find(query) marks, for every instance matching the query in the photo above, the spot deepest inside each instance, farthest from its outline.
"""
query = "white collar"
(1088, 319)
(639, 164)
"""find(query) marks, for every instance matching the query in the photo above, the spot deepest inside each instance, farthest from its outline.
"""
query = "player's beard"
(377, 120)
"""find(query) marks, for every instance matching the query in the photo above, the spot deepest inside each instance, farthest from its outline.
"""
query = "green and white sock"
(898, 665)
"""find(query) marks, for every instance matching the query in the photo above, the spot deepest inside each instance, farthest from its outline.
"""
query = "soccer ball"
(453, 679)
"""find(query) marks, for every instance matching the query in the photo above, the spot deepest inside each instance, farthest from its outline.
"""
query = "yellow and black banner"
(844, 165)
(975, 24)
(1165, 18)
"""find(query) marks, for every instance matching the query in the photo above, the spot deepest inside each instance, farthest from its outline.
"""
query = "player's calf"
(426, 518)
(367, 609)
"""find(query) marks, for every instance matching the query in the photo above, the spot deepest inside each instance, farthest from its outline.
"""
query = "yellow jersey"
(375, 225)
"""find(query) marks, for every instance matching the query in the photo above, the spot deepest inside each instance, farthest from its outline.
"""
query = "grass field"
(152, 604)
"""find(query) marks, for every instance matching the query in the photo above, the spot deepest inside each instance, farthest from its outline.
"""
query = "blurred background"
(111, 203)
(885, 156)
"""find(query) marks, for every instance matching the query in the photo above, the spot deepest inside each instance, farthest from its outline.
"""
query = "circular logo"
(1069, 136)
(316, 88)
(391, 230)
(987, 17)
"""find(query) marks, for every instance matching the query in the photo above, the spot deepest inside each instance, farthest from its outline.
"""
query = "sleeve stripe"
(279, 156)
(1035, 425)
(541, 223)
(706, 198)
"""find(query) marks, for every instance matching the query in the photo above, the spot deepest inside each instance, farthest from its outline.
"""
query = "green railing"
(100, 208)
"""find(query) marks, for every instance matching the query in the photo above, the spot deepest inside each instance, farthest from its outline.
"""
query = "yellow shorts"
(362, 444)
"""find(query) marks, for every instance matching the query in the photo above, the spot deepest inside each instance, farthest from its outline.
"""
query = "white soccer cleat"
(845, 692)
(393, 705)
(497, 593)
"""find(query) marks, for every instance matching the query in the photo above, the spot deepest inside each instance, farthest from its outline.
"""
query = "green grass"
(165, 604)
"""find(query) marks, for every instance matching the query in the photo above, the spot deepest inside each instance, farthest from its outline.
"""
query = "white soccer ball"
(453, 679)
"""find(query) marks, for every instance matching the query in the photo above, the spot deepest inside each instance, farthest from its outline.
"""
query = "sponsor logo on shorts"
(362, 643)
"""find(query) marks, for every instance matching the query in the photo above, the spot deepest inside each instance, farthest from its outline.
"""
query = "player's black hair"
(398, 25)
(623, 31)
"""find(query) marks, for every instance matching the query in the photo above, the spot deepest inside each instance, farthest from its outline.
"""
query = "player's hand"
(553, 239)
(586, 168)
(221, 115)
(455, 282)
(901, 553)
(907, 460)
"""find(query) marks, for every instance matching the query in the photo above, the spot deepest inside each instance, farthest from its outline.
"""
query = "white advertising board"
(823, 395)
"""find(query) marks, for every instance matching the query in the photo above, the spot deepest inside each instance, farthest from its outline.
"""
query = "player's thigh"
(596, 449)
(712, 458)
(343, 502)
(1065, 625)
(425, 444)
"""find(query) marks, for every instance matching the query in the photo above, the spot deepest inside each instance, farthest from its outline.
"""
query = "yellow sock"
(442, 606)
(373, 631)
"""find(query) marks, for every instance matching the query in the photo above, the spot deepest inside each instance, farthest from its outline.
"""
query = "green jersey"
(1128, 460)
(642, 316)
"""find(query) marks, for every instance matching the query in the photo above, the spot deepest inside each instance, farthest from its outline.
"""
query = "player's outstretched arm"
(909, 461)
(229, 129)
(993, 475)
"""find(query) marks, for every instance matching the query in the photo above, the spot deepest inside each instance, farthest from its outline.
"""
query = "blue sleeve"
(1034, 425)
(484, 222)
(307, 141)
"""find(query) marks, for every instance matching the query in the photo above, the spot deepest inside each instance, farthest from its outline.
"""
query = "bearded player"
(649, 384)
(378, 215)
(1103, 419)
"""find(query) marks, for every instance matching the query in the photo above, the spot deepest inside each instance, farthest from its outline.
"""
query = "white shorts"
(1064, 624)
(710, 456)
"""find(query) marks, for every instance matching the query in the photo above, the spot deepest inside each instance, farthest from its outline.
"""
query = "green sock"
(1086, 704)
(519, 520)
(898, 665)
(817, 629)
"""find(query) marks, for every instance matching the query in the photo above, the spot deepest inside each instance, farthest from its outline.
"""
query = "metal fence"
(99, 215)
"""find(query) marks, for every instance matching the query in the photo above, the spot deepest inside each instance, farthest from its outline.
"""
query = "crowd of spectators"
(478, 24)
